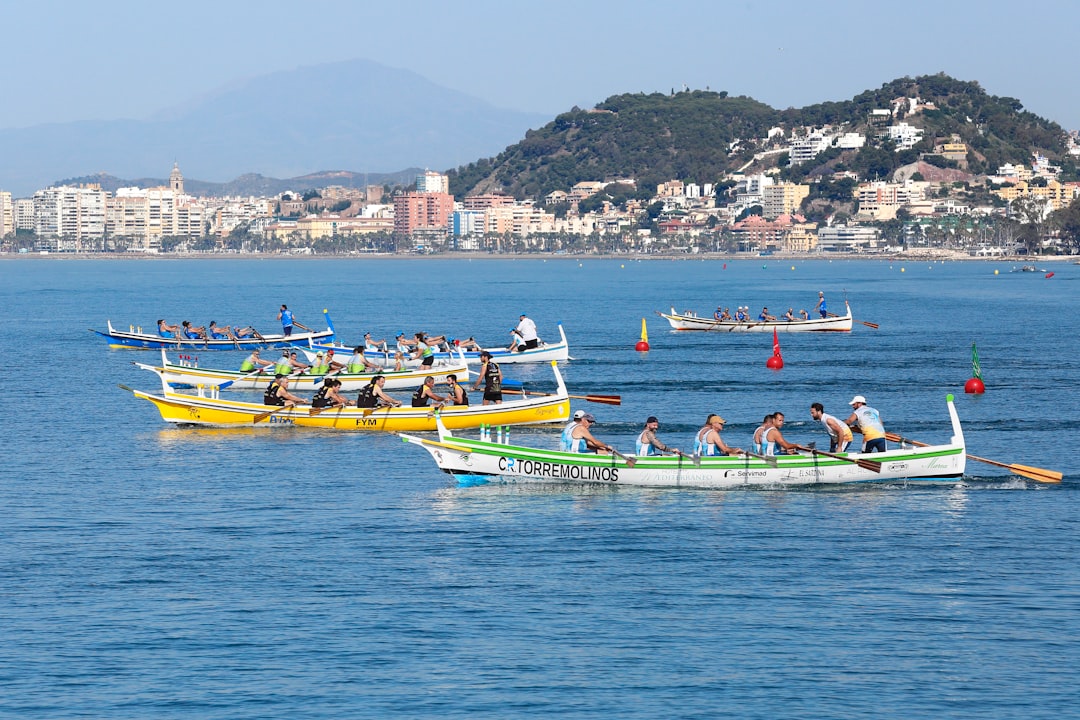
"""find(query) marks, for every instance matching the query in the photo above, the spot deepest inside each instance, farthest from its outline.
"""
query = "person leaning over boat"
(525, 337)
(839, 433)
(193, 333)
(327, 395)
(708, 440)
(426, 393)
(296, 363)
(319, 366)
(373, 345)
(253, 361)
(217, 332)
(249, 331)
(789, 315)
(648, 443)
(283, 367)
(491, 376)
(359, 363)
(277, 392)
(768, 437)
(455, 394)
(867, 420)
(803, 315)
(166, 330)
(821, 307)
(333, 365)
(372, 394)
(425, 348)
(759, 433)
(578, 439)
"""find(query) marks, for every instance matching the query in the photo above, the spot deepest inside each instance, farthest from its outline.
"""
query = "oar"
(861, 322)
(871, 465)
(1037, 474)
(316, 410)
(251, 374)
(770, 460)
(604, 399)
(262, 416)
(630, 462)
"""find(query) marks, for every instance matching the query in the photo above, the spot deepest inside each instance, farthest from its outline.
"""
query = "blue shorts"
(875, 445)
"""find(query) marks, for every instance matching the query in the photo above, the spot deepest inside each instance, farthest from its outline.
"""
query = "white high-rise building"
(7, 214)
(432, 182)
(71, 214)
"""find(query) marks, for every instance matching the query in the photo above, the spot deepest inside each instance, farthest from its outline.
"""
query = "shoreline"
(931, 255)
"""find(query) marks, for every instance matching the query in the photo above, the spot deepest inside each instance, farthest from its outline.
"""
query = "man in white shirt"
(525, 337)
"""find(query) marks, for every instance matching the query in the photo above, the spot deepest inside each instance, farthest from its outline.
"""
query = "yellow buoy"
(995, 272)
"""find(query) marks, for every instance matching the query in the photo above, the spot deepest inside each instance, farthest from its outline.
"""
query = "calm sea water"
(152, 571)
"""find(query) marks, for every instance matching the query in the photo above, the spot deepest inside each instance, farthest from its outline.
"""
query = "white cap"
(857, 399)
(578, 414)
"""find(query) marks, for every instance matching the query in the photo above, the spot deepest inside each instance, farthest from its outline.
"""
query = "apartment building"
(422, 212)
(807, 148)
(72, 215)
(147, 215)
(782, 199)
(7, 214)
(432, 182)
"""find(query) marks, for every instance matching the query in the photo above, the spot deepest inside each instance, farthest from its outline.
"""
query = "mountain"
(356, 114)
(700, 136)
(255, 184)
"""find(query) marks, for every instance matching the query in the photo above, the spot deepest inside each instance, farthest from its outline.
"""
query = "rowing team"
(213, 331)
(742, 314)
(767, 440)
(324, 363)
(371, 395)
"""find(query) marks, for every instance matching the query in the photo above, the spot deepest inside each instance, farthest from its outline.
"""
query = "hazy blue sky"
(130, 58)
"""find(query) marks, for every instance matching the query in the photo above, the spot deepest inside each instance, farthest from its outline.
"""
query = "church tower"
(176, 180)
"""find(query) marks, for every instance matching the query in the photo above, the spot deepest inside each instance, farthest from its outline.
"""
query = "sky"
(65, 61)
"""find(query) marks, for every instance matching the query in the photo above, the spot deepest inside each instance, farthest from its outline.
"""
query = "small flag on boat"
(975, 371)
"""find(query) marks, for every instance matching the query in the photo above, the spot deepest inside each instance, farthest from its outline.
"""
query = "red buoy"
(643, 344)
(974, 386)
(775, 362)
(1049, 275)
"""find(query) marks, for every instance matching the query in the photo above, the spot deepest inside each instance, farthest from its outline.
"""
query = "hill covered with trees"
(701, 135)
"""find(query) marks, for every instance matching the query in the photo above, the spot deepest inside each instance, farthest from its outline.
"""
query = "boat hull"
(840, 323)
(184, 409)
(475, 459)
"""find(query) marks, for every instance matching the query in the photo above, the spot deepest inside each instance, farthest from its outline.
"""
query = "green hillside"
(690, 135)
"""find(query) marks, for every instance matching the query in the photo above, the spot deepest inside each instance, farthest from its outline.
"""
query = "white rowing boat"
(473, 460)
(690, 321)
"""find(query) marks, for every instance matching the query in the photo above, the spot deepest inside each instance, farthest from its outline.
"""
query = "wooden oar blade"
(871, 465)
(604, 399)
(870, 324)
(1037, 474)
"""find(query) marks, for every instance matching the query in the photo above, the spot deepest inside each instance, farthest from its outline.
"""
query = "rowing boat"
(211, 410)
(180, 375)
(135, 338)
(545, 352)
(690, 321)
(473, 460)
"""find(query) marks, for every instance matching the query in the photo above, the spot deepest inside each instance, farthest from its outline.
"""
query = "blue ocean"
(151, 571)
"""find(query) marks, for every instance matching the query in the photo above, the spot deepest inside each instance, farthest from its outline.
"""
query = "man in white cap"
(867, 420)
(578, 439)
